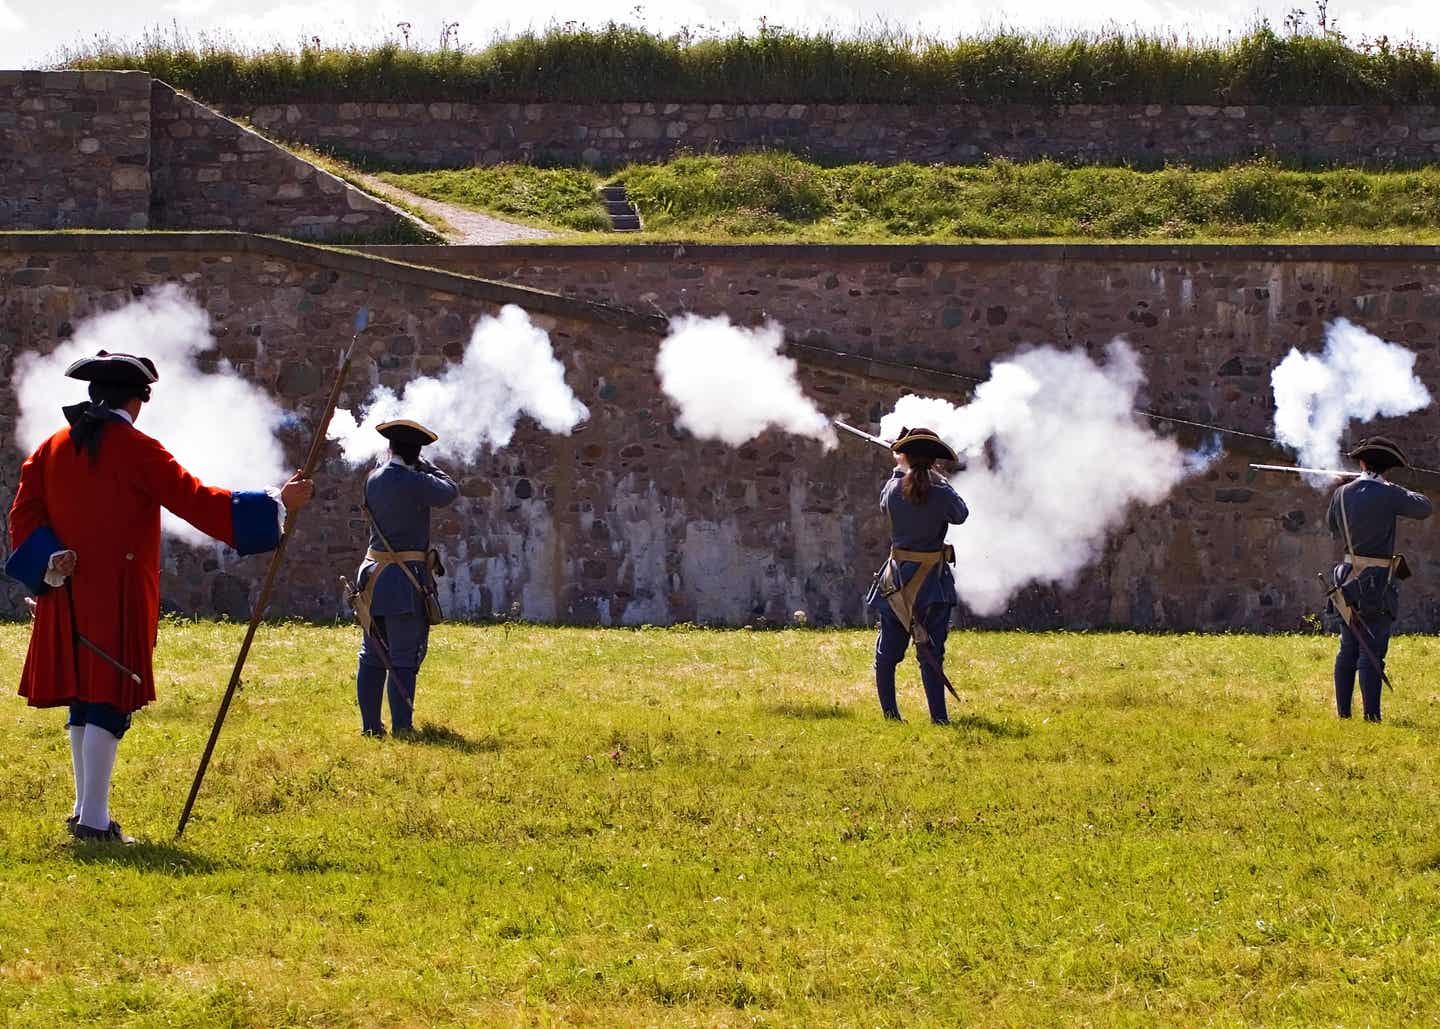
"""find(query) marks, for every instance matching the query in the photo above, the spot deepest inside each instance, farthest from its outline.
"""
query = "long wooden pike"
(317, 444)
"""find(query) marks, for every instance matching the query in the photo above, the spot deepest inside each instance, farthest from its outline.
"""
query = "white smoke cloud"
(1358, 377)
(509, 369)
(1067, 458)
(218, 426)
(731, 383)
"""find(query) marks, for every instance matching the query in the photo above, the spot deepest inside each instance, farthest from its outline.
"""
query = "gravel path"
(466, 226)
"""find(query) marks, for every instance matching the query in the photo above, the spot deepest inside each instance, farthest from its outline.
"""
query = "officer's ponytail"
(88, 421)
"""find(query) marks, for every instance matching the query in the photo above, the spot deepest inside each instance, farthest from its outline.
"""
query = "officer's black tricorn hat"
(406, 432)
(117, 369)
(923, 442)
(1380, 453)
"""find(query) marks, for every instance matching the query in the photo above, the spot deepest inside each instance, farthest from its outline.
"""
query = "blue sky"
(33, 30)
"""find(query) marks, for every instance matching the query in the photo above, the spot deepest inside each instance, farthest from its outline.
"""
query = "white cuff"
(53, 578)
(274, 495)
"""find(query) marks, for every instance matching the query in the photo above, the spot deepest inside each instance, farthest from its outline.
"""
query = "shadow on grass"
(144, 856)
(811, 711)
(432, 735)
(1006, 730)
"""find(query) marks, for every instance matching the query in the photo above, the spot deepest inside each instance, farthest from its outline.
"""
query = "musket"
(1336, 473)
(861, 433)
(317, 444)
(1357, 628)
(1331, 472)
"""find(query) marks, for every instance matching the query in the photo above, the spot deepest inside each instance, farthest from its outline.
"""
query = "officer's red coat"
(107, 511)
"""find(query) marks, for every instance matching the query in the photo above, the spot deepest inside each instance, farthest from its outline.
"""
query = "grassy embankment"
(618, 62)
(693, 827)
(776, 196)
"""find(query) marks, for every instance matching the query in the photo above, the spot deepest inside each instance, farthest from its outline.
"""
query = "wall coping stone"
(1018, 252)
(338, 259)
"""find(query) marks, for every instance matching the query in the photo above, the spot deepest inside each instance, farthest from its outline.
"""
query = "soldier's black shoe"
(112, 834)
(374, 734)
(71, 823)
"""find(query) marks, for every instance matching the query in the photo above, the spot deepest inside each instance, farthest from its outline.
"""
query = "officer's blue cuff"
(31, 559)
(255, 518)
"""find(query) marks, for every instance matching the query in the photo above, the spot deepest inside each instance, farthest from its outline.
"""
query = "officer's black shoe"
(71, 823)
(892, 716)
(939, 721)
(113, 834)
(377, 734)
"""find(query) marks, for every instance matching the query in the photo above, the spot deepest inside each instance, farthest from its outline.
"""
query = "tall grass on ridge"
(619, 62)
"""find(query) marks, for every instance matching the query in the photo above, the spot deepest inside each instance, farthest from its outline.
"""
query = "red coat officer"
(105, 507)
(85, 535)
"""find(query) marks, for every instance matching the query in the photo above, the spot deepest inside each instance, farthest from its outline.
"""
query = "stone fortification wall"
(454, 134)
(631, 520)
(1209, 323)
(119, 150)
(74, 149)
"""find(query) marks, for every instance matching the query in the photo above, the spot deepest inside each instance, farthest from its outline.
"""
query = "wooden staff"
(317, 444)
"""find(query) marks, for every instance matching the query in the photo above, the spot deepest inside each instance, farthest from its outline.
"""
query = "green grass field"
(690, 827)
(779, 197)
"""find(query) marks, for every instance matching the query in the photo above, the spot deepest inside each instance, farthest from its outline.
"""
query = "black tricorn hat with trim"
(922, 442)
(117, 369)
(406, 432)
(1380, 453)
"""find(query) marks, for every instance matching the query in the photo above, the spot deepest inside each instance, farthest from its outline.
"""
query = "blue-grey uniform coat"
(400, 497)
(922, 527)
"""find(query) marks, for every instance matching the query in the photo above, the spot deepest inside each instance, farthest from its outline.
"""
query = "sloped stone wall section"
(74, 150)
(455, 134)
(119, 150)
(212, 173)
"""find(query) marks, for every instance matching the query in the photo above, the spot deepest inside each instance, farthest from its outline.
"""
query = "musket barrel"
(1293, 470)
(861, 433)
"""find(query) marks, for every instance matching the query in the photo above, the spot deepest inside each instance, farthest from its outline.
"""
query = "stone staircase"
(624, 216)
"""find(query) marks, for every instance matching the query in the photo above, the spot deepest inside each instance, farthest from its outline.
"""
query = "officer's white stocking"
(77, 758)
(100, 747)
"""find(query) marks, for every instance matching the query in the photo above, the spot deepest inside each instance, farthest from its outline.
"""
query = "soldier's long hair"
(915, 487)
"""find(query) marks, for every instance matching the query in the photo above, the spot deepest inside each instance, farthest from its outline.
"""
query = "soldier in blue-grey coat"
(396, 585)
(914, 592)
(1362, 516)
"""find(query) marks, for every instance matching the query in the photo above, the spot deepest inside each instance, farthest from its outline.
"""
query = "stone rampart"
(457, 134)
(631, 520)
(74, 150)
(211, 173)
